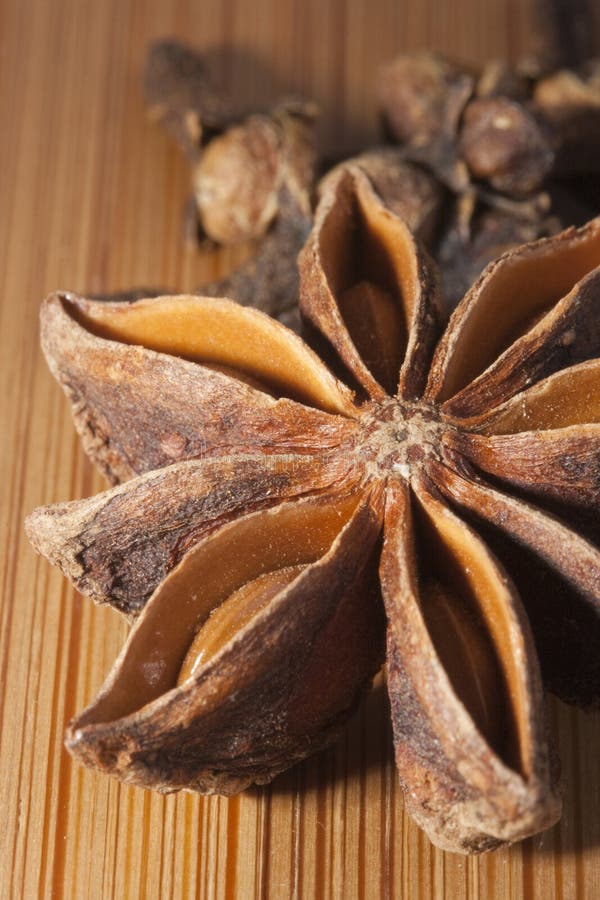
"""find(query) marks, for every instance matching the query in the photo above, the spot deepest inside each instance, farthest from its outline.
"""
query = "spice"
(569, 100)
(269, 280)
(181, 93)
(503, 143)
(422, 98)
(453, 488)
(252, 174)
(506, 142)
(407, 189)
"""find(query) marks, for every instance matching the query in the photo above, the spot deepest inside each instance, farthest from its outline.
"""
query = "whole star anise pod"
(280, 516)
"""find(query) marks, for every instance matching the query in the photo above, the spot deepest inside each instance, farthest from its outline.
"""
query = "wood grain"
(90, 199)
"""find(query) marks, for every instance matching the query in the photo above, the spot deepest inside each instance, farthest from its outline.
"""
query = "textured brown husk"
(276, 693)
(454, 455)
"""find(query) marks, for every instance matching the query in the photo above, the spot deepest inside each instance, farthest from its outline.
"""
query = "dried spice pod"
(464, 128)
(516, 133)
(569, 101)
(275, 691)
(252, 174)
(236, 181)
(250, 563)
(503, 143)
(182, 95)
(422, 97)
(241, 172)
(516, 126)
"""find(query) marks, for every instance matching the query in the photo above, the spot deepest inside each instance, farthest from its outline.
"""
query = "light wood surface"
(90, 199)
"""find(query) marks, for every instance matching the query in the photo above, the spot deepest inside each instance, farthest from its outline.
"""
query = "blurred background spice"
(486, 159)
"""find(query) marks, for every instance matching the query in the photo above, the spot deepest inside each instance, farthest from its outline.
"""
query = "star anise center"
(400, 436)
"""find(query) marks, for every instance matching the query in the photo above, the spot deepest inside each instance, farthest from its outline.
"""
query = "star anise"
(279, 516)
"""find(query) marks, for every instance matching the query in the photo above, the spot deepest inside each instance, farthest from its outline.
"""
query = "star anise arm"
(467, 703)
(564, 601)
(118, 546)
(218, 702)
(545, 440)
(566, 398)
(160, 380)
(495, 347)
(563, 465)
(368, 288)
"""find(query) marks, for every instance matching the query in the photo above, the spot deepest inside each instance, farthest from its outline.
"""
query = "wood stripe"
(91, 196)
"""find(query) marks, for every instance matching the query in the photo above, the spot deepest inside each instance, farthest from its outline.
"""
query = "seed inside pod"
(468, 656)
(471, 626)
(232, 615)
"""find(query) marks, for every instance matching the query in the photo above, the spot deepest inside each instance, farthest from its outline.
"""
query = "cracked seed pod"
(422, 98)
(464, 233)
(272, 503)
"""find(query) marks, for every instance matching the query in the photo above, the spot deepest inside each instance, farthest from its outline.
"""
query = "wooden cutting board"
(90, 199)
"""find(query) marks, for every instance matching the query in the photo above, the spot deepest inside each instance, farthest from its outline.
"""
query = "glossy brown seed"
(232, 615)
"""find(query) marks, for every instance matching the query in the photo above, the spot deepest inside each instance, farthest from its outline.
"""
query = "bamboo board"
(90, 199)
